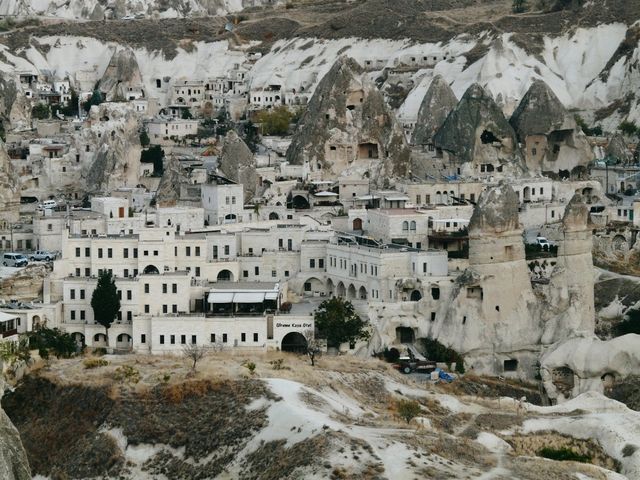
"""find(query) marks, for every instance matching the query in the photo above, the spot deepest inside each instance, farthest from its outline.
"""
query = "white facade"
(222, 202)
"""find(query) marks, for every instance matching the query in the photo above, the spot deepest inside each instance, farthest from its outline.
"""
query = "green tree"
(71, 108)
(251, 136)
(144, 138)
(628, 128)
(41, 111)
(408, 409)
(47, 341)
(105, 301)
(155, 155)
(95, 99)
(186, 114)
(519, 6)
(337, 322)
(275, 121)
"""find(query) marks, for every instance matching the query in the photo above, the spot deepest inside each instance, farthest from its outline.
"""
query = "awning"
(248, 297)
(271, 296)
(220, 297)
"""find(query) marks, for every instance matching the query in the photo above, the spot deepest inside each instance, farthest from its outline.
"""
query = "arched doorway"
(294, 342)
(230, 218)
(274, 216)
(151, 270)
(79, 339)
(357, 224)
(312, 286)
(330, 287)
(351, 292)
(225, 276)
(36, 323)
(362, 293)
(99, 340)
(123, 341)
(416, 295)
(526, 194)
(341, 291)
(405, 335)
(300, 203)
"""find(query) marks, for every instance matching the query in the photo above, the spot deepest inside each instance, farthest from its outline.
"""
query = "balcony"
(9, 333)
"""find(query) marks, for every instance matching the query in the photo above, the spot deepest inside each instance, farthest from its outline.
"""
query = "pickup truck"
(410, 365)
(42, 256)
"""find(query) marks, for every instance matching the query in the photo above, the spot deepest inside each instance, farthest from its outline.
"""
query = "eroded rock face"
(619, 150)
(121, 74)
(13, 458)
(552, 140)
(15, 109)
(9, 188)
(168, 192)
(348, 128)
(238, 164)
(476, 133)
(496, 211)
(438, 102)
(113, 133)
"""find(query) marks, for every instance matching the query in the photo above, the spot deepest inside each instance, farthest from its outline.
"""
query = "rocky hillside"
(588, 56)
(142, 417)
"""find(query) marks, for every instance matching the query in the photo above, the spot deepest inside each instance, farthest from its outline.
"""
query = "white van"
(14, 260)
(48, 205)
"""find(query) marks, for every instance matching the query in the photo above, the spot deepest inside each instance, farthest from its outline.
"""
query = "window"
(183, 339)
(129, 317)
(424, 267)
(72, 294)
(227, 200)
(256, 270)
(307, 286)
(82, 294)
(161, 339)
(143, 338)
(164, 288)
(174, 308)
(226, 249)
(418, 199)
(187, 251)
(135, 253)
(155, 253)
(243, 337)
(312, 263)
(87, 252)
(193, 339)
(73, 314)
(174, 288)
(405, 226)
(126, 272)
(110, 252)
(146, 309)
(433, 316)
(128, 294)
(99, 253)
(233, 200)
(82, 315)
(77, 251)
(286, 273)
(197, 251)
(213, 338)
(125, 253)
(245, 273)
(224, 338)
(164, 309)
(87, 272)
(197, 271)
(146, 288)
(255, 337)
(172, 339)
(273, 273)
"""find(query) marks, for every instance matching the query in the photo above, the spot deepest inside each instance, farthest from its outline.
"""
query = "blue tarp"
(447, 377)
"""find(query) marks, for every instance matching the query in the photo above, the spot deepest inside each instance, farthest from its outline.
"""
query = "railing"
(9, 333)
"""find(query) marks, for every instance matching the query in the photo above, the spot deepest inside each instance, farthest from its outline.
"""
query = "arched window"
(405, 226)
(413, 225)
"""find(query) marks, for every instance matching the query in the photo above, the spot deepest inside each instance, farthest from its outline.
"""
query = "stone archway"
(294, 342)
(416, 296)
(330, 287)
(351, 291)
(124, 341)
(274, 216)
(225, 276)
(151, 270)
(357, 224)
(341, 291)
(362, 293)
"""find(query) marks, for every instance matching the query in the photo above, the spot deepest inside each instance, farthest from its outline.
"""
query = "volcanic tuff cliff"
(13, 458)
(121, 74)
(436, 105)
(348, 124)
(476, 132)
(238, 164)
(9, 188)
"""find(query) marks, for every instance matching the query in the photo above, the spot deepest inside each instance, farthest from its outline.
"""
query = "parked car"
(42, 256)
(543, 242)
(14, 260)
(47, 205)
(412, 364)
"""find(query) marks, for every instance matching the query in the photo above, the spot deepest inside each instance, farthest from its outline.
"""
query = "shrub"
(95, 363)
(438, 352)
(563, 454)
(631, 324)
(127, 374)
(251, 367)
(628, 128)
(275, 121)
(278, 364)
(41, 111)
(408, 409)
